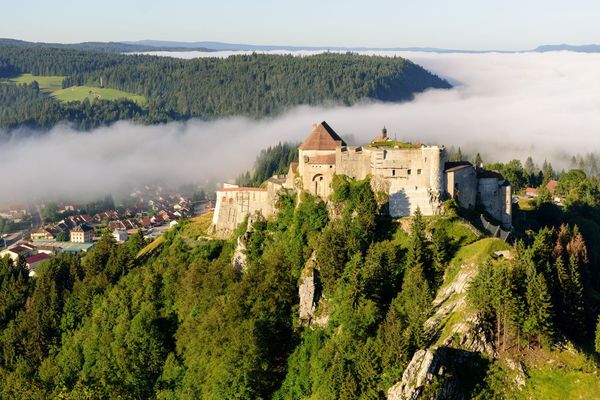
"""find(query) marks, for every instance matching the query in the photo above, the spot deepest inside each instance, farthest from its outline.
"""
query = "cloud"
(504, 106)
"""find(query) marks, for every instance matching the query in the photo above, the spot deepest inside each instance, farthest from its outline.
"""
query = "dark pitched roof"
(456, 165)
(485, 174)
(37, 258)
(19, 249)
(322, 137)
(83, 228)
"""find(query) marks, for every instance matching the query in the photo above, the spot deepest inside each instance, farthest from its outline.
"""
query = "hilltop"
(255, 85)
(323, 301)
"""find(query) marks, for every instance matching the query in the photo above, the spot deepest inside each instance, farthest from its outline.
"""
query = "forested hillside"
(271, 161)
(109, 47)
(177, 320)
(207, 88)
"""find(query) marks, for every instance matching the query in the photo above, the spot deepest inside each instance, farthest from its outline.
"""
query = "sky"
(456, 24)
(504, 106)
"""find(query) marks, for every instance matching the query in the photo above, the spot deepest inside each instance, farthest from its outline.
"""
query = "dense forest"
(251, 85)
(26, 106)
(271, 161)
(175, 319)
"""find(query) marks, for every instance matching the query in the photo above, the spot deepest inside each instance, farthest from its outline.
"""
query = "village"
(151, 210)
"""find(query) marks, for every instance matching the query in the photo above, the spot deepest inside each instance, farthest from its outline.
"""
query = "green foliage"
(25, 105)
(513, 171)
(414, 305)
(540, 316)
(271, 161)
(206, 88)
(91, 93)
(62, 237)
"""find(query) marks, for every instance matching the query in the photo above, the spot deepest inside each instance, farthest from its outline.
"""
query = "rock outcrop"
(309, 291)
(456, 344)
(239, 254)
(239, 258)
(417, 374)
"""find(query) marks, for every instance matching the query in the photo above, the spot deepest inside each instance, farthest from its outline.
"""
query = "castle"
(412, 175)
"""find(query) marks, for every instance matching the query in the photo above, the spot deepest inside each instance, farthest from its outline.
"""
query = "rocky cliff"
(459, 344)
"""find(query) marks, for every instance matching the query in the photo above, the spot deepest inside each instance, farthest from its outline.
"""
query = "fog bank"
(503, 105)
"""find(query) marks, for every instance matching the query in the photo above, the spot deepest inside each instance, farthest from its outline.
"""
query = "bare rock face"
(468, 332)
(520, 374)
(456, 344)
(239, 253)
(309, 291)
(419, 372)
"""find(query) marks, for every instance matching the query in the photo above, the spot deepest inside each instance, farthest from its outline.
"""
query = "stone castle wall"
(496, 197)
(412, 177)
(461, 185)
(234, 204)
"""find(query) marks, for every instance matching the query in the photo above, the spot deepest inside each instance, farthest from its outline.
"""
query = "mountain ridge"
(151, 45)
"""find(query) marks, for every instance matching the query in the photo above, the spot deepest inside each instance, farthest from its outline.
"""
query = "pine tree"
(459, 155)
(439, 253)
(573, 163)
(547, 172)
(529, 169)
(540, 313)
(415, 304)
(416, 256)
(576, 304)
(391, 338)
(529, 166)
(564, 284)
(503, 300)
(478, 160)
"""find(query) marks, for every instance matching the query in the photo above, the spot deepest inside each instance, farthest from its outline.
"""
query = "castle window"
(419, 172)
(393, 172)
(408, 171)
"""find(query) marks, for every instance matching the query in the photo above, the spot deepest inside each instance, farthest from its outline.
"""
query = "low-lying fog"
(503, 105)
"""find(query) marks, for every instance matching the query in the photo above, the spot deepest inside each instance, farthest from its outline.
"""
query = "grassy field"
(48, 84)
(527, 204)
(150, 247)
(197, 227)
(475, 253)
(79, 93)
(52, 85)
(561, 375)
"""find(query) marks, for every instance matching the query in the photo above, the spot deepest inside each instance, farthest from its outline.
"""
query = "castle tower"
(317, 159)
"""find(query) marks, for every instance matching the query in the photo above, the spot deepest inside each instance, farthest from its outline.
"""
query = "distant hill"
(222, 46)
(256, 86)
(107, 47)
(149, 45)
(586, 48)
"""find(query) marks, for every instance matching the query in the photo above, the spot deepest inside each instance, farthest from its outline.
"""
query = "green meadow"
(79, 93)
(52, 85)
(48, 84)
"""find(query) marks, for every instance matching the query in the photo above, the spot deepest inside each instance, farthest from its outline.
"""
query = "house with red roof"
(33, 261)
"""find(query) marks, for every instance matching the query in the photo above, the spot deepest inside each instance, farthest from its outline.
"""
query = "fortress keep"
(412, 175)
